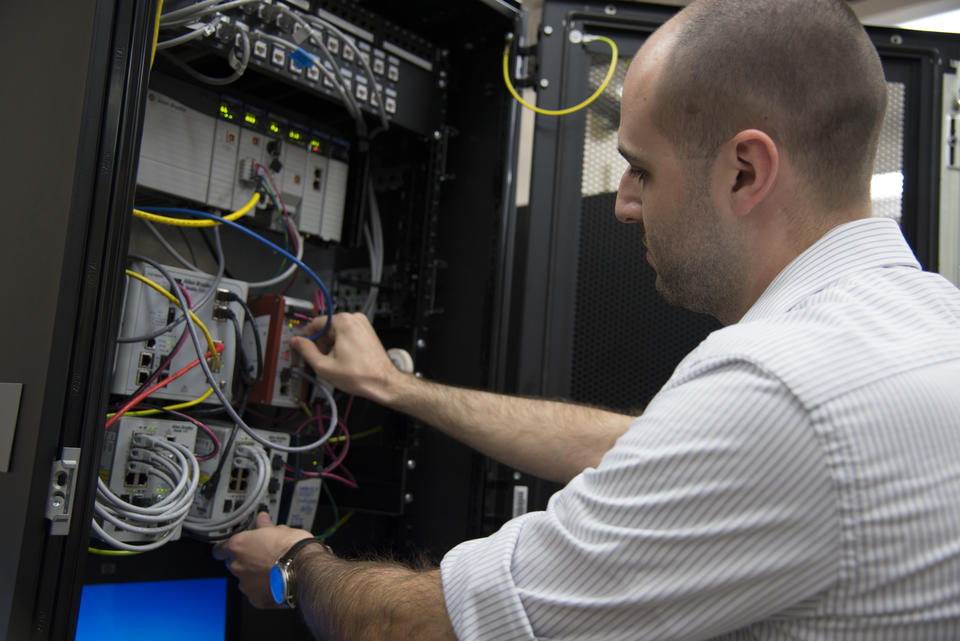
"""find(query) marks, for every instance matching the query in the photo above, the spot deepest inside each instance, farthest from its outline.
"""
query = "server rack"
(589, 325)
(78, 99)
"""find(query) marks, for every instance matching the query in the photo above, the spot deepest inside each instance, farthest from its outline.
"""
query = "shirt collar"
(846, 249)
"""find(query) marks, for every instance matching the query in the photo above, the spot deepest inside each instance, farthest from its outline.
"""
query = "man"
(799, 475)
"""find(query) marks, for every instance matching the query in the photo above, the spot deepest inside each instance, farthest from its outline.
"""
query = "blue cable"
(258, 237)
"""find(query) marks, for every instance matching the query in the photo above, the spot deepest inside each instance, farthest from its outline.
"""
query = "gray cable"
(185, 38)
(368, 72)
(228, 408)
(200, 302)
(170, 248)
(211, 80)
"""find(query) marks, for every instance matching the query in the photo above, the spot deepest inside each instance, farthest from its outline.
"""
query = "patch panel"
(411, 67)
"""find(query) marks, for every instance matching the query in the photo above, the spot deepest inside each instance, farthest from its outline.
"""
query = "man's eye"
(638, 174)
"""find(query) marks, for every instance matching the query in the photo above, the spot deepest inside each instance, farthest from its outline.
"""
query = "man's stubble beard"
(704, 267)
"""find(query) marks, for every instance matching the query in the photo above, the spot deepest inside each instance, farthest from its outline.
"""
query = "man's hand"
(349, 356)
(250, 555)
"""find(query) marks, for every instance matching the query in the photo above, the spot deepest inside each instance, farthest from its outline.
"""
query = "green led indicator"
(225, 111)
(314, 144)
(274, 127)
(250, 119)
(294, 134)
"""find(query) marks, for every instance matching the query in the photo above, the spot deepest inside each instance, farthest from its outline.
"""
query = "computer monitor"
(183, 609)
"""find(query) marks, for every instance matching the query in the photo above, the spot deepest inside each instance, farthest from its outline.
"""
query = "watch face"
(277, 584)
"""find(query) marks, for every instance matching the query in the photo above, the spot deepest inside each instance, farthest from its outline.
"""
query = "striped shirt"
(798, 477)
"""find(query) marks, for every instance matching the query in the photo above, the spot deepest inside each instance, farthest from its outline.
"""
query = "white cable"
(193, 12)
(164, 516)
(224, 401)
(185, 38)
(368, 72)
(189, 10)
(253, 499)
(293, 266)
(333, 75)
(373, 235)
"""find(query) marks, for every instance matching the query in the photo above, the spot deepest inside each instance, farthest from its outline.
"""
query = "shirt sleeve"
(715, 510)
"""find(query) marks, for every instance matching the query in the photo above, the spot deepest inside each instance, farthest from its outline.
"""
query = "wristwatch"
(283, 585)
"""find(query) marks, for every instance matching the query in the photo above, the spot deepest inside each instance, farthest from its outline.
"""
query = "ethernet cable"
(373, 235)
(257, 457)
(227, 407)
(113, 418)
(146, 214)
(568, 110)
(196, 10)
(177, 468)
(333, 75)
(367, 71)
(298, 239)
(261, 239)
(348, 42)
(240, 65)
(175, 301)
(221, 267)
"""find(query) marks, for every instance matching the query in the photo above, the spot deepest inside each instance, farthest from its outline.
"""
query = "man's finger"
(309, 352)
(263, 520)
(220, 551)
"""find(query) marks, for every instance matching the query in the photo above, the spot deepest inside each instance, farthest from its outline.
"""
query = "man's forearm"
(549, 439)
(376, 601)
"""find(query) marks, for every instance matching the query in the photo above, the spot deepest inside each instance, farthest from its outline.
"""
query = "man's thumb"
(263, 520)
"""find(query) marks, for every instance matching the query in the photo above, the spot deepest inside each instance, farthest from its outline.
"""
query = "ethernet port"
(142, 501)
(233, 485)
(135, 479)
(151, 343)
(228, 505)
(146, 359)
(142, 376)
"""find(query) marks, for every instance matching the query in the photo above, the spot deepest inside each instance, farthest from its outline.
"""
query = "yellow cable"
(173, 299)
(156, 32)
(177, 406)
(189, 222)
(112, 552)
(568, 110)
(353, 437)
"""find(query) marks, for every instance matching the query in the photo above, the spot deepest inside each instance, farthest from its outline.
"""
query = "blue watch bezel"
(278, 585)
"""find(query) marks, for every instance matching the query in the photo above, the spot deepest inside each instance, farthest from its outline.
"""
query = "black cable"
(243, 370)
(214, 251)
(248, 318)
(210, 486)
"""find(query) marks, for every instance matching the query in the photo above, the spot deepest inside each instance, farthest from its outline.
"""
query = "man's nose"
(629, 207)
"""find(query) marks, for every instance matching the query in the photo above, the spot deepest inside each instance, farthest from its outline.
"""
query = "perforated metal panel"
(627, 340)
(887, 186)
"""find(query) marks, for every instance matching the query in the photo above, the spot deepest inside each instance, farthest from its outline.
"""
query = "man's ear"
(749, 163)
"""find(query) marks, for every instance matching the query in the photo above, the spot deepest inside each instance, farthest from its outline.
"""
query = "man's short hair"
(803, 71)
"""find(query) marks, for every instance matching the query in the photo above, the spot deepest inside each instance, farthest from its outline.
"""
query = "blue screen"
(185, 610)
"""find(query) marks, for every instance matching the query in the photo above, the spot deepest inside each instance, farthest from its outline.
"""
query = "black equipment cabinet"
(587, 324)
(75, 95)
(552, 300)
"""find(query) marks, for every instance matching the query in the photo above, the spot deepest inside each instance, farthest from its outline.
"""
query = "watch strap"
(286, 574)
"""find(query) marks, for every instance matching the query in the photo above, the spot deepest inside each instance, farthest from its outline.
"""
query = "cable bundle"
(177, 468)
(248, 456)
